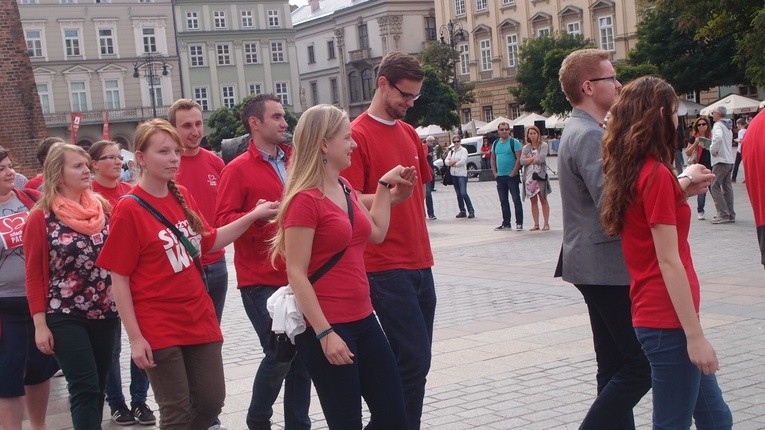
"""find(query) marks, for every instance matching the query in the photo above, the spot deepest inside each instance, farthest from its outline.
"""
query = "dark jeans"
(217, 284)
(429, 199)
(460, 188)
(485, 163)
(680, 390)
(271, 373)
(734, 175)
(405, 303)
(512, 185)
(373, 375)
(624, 374)
(139, 382)
(84, 353)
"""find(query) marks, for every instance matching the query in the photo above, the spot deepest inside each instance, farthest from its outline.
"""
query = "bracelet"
(385, 184)
(324, 333)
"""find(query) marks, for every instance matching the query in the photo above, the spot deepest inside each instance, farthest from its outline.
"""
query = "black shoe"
(461, 215)
(122, 416)
(252, 425)
(471, 214)
(432, 217)
(143, 414)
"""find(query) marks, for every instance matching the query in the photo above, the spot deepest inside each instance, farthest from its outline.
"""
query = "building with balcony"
(495, 29)
(340, 44)
(231, 49)
(85, 54)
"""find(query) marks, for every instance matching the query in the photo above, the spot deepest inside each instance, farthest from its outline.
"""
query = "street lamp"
(151, 63)
(456, 34)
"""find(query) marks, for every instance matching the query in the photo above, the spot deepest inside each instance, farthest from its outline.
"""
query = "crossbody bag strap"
(335, 258)
(191, 249)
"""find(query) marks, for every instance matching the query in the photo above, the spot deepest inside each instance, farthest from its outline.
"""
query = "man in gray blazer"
(590, 260)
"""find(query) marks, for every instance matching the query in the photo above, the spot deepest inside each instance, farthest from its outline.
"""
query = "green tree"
(689, 63)
(443, 60)
(530, 90)
(225, 123)
(716, 20)
(437, 104)
(626, 72)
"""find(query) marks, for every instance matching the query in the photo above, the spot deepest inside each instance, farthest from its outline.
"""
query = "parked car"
(473, 146)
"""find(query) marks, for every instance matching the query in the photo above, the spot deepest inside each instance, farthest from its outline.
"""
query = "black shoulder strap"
(191, 249)
(335, 258)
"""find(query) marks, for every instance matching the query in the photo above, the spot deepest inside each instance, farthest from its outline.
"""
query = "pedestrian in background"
(536, 184)
(456, 160)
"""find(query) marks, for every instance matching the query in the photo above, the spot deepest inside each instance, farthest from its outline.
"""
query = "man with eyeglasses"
(399, 269)
(200, 172)
(589, 259)
(506, 167)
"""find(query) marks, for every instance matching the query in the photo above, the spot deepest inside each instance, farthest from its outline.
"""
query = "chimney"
(314, 5)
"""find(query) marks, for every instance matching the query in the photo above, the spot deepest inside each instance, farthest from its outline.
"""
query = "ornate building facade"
(495, 29)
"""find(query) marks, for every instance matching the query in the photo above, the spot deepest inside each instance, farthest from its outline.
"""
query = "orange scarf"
(86, 217)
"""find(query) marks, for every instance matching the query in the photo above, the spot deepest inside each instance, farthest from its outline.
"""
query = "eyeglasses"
(704, 124)
(503, 129)
(110, 158)
(612, 78)
(406, 96)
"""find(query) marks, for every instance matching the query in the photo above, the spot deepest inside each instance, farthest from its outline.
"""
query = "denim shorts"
(21, 363)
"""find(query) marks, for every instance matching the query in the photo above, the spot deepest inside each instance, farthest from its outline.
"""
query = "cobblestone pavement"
(512, 347)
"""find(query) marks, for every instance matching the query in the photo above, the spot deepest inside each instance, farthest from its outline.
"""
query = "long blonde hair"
(306, 167)
(143, 133)
(53, 175)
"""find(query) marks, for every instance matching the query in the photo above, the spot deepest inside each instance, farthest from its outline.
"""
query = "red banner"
(76, 118)
(106, 125)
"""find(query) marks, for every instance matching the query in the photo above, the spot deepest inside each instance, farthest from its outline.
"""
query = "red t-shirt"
(380, 148)
(343, 291)
(112, 195)
(171, 304)
(34, 183)
(660, 201)
(200, 174)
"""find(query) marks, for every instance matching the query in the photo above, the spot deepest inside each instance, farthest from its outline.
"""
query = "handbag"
(447, 174)
(191, 249)
(538, 177)
(279, 343)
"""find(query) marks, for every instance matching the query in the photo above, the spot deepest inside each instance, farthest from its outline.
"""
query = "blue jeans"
(84, 352)
(271, 373)
(139, 382)
(217, 284)
(373, 375)
(405, 303)
(624, 374)
(460, 187)
(429, 198)
(701, 200)
(680, 389)
(510, 184)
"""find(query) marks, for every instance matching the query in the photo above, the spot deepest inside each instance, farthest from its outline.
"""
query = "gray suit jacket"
(589, 256)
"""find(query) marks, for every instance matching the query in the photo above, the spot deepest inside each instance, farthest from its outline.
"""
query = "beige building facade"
(495, 29)
(85, 54)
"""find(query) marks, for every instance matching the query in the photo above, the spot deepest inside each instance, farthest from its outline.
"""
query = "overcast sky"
(299, 2)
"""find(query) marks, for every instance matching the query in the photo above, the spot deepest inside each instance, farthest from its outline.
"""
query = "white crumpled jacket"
(285, 313)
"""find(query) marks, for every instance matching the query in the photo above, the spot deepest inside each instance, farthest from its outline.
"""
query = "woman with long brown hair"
(645, 203)
(698, 153)
(159, 288)
(536, 185)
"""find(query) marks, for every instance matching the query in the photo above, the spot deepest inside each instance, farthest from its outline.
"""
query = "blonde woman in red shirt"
(159, 289)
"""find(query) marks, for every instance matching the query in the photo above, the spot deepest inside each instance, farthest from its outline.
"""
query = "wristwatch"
(685, 175)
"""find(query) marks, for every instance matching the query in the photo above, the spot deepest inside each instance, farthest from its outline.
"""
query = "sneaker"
(701, 216)
(471, 214)
(502, 227)
(143, 414)
(721, 220)
(519, 227)
(122, 416)
(461, 215)
(432, 217)
(217, 425)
